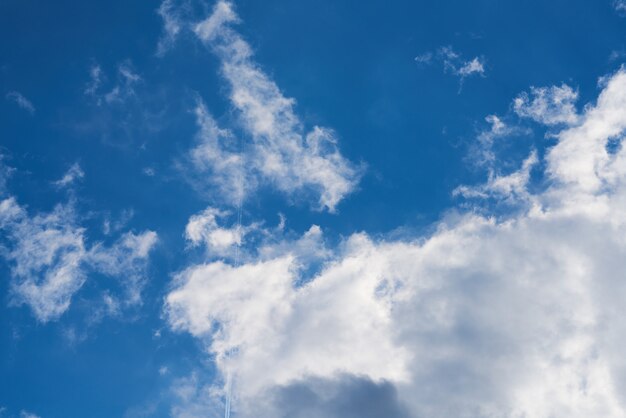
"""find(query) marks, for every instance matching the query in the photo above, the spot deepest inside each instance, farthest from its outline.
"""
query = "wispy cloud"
(50, 258)
(453, 63)
(19, 99)
(122, 89)
(125, 88)
(95, 80)
(173, 24)
(127, 259)
(284, 153)
(548, 105)
(122, 106)
(219, 160)
(73, 174)
(475, 66)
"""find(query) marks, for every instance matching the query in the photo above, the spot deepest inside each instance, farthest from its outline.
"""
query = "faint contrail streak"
(229, 378)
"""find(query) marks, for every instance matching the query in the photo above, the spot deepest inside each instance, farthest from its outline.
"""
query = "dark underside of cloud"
(346, 397)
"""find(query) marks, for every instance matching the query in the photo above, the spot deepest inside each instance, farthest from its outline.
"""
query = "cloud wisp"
(282, 152)
(50, 258)
(21, 101)
(453, 63)
(73, 174)
(548, 105)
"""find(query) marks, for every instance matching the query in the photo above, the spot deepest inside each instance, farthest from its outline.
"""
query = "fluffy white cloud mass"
(520, 316)
(50, 259)
(282, 152)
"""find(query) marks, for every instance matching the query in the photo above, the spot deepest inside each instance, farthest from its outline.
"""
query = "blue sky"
(312, 208)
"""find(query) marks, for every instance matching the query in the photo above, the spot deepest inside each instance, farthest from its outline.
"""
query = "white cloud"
(194, 399)
(217, 159)
(549, 105)
(581, 161)
(47, 253)
(21, 101)
(483, 150)
(122, 90)
(95, 80)
(204, 228)
(475, 66)
(454, 63)
(292, 160)
(50, 259)
(173, 24)
(511, 187)
(424, 58)
(620, 5)
(509, 317)
(26, 414)
(5, 173)
(127, 259)
(74, 173)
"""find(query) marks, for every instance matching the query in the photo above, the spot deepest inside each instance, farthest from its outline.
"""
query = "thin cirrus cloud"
(454, 63)
(485, 317)
(73, 174)
(282, 153)
(172, 26)
(21, 101)
(217, 160)
(122, 90)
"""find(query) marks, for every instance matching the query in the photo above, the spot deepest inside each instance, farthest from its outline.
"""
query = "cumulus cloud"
(510, 316)
(548, 105)
(50, 259)
(341, 397)
(282, 152)
(19, 99)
